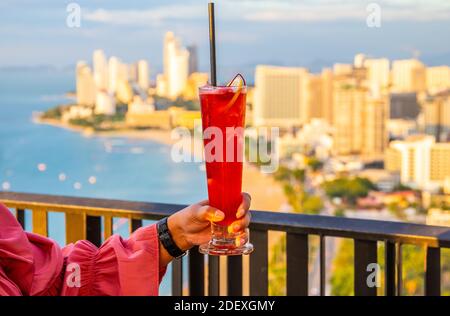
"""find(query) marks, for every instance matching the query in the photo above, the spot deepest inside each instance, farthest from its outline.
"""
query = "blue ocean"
(39, 158)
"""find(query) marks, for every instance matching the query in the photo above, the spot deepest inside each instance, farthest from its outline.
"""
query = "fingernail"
(218, 216)
(240, 213)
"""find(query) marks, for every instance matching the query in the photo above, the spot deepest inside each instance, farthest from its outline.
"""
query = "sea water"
(39, 158)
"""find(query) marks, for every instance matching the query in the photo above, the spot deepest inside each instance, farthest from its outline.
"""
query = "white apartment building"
(143, 74)
(85, 87)
(280, 96)
(176, 67)
(408, 75)
(105, 103)
(100, 70)
(421, 162)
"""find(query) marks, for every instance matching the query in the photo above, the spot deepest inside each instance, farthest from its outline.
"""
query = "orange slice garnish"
(238, 81)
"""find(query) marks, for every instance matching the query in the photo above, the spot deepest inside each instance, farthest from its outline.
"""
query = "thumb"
(207, 213)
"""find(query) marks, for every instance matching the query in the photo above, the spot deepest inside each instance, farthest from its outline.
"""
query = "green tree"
(299, 175)
(348, 189)
(283, 174)
(314, 163)
(54, 113)
(342, 275)
(277, 271)
(312, 204)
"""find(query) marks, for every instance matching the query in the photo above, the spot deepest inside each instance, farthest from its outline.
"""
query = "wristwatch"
(166, 239)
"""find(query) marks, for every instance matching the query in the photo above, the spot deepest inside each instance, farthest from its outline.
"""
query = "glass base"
(210, 249)
(224, 243)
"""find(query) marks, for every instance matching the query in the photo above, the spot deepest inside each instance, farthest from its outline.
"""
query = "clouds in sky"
(278, 11)
(288, 32)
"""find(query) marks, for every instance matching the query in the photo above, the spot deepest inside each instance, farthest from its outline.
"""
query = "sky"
(309, 33)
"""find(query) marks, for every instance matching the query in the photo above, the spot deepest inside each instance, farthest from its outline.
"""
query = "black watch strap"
(166, 239)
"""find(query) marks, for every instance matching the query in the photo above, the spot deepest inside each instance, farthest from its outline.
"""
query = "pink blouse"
(34, 265)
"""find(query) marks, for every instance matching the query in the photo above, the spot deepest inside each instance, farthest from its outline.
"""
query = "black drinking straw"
(212, 44)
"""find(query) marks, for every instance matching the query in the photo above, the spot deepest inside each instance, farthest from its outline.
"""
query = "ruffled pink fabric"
(34, 265)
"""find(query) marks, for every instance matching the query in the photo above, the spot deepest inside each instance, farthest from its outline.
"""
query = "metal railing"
(83, 220)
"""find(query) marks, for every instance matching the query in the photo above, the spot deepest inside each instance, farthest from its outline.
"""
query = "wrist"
(177, 233)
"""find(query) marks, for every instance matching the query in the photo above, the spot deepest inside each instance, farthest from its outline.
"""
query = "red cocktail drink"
(223, 119)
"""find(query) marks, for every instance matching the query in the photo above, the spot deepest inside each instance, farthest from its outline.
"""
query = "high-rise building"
(143, 75)
(85, 84)
(317, 95)
(440, 166)
(436, 109)
(124, 92)
(378, 74)
(161, 85)
(438, 79)
(105, 103)
(313, 95)
(114, 74)
(421, 162)
(404, 105)
(359, 119)
(359, 60)
(100, 70)
(118, 75)
(195, 81)
(125, 73)
(193, 59)
(176, 66)
(342, 69)
(327, 95)
(375, 134)
(348, 102)
(408, 75)
(279, 98)
(133, 72)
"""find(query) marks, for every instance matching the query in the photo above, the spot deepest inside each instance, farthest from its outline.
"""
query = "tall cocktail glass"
(223, 118)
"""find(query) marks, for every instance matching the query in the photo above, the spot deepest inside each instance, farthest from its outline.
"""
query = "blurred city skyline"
(312, 34)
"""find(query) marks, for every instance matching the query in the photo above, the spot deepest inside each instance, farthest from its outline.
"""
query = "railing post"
(234, 275)
(213, 275)
(365, 254)
(390, 263)
(322, 262)
(433, 272)
(196, 273)
(297, 264)
(135, 224)
(75, 227)
(40, 221)
(108, 226)
(399, 269)
(20, 215)
(259, 263)
(177, 277)
(94, 230)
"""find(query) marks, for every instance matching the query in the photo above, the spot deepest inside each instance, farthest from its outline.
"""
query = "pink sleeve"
(34, 265)
(119, 267)
(29, 264)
